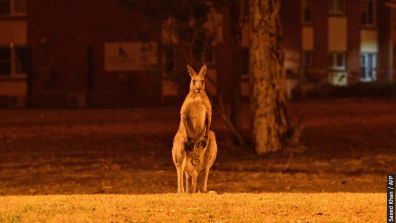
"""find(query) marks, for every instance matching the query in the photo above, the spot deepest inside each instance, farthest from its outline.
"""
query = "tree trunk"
(270, 121)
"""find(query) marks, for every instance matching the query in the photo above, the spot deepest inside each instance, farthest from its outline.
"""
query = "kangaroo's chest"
(196, 113)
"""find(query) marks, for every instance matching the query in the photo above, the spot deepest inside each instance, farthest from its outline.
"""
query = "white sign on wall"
(132, 56)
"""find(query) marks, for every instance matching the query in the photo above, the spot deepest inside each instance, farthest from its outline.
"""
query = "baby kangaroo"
(200, 158)
(194, 145)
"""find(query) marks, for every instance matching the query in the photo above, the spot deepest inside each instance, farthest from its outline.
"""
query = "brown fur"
(190, 162)
(196, 111)
(194, 146)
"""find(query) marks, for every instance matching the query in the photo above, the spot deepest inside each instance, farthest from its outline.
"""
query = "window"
(306, 11)
(368, 65)
(14, 61)
(21, 58)
(337, 6)
(306, 64)
(13, 7)
(5, 61)
(306, 59)
(169, 60)
(337, 61)
(337, 69)
(20, 6)
(5, 7)
(368, 13)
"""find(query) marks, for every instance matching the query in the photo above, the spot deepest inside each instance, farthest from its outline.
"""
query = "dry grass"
(270, 207)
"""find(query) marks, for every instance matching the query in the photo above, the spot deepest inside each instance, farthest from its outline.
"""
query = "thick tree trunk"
(270, 121)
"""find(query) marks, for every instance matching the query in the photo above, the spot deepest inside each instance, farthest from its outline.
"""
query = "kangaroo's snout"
(198, 85)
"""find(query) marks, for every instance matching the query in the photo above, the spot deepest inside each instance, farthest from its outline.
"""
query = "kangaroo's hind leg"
(205, 183)
(188, 182)
(194, 179)
(210, 157)
(179, 159)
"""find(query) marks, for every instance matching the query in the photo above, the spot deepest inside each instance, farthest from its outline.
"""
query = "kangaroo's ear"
(203, 70)
(191, 71)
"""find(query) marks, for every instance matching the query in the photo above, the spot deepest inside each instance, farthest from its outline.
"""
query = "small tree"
(183, 21)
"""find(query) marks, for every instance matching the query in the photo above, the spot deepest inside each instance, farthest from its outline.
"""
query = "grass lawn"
(264, 207)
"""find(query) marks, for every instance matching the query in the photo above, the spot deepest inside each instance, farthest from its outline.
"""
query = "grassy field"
(115, 165)
(347, 146)
(268, 207)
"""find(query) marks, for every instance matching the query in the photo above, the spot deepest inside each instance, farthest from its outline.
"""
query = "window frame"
(12, 9)
(364, 58)
(307, 54)
(13, 61)
(306, 4)
(364, 21)
(6, 61)
(333, 61)
(337, 7)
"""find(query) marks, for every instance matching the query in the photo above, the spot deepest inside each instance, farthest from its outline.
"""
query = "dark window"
(5, 61)
(337, 6)
(340, 60)
(306, 65)
(307, 11)
(169, 60)
(368, 12)
(12, 7)
(22, 59)
(5, 7)
(307, 58)
(14, 61)
(20, 6)
(337, 61)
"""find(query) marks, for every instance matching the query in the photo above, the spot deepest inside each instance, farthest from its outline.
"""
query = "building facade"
(14, 53)
(92, 53)
(73, 53)
(339, 41)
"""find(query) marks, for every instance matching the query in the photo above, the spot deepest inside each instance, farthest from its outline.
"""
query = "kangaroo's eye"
(194, 81)
(202, 82)
(202, 144)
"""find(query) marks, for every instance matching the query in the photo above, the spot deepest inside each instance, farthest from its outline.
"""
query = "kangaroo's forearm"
(209, 121)
(183, 125)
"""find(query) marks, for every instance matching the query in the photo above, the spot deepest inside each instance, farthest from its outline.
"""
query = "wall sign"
(132, 56)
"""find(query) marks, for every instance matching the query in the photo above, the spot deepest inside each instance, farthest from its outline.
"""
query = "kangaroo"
(196, 110)
(192, 138)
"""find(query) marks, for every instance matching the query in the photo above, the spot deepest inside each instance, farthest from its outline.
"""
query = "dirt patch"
(348, 146)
